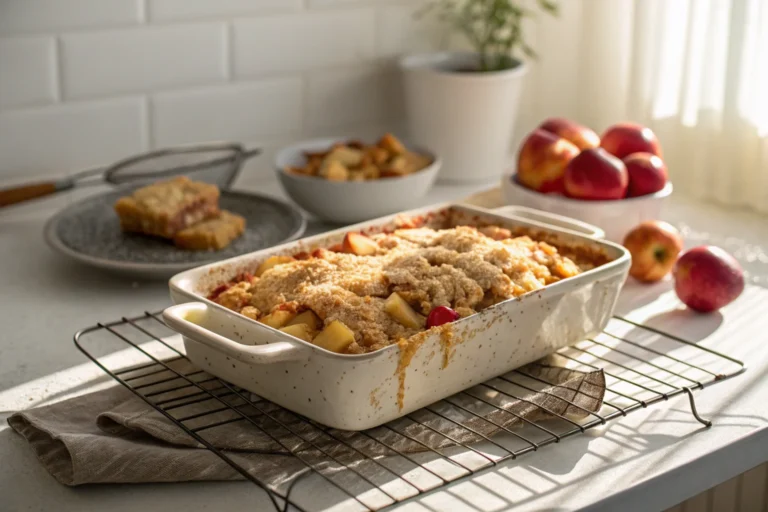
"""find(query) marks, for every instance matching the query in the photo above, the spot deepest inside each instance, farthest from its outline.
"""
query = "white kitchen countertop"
(652, 459)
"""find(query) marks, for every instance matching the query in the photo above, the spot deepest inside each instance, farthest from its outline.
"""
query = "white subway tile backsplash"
(143, 59)
(63, 138)
(259, 169)
(309, 41)
(172, 10)
(241, 112)
(85, 82)
(344, 97)
(18, 16)
(400, 31)
(27, 71)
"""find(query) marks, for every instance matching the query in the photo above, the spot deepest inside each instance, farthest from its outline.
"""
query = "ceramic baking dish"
(355, 392)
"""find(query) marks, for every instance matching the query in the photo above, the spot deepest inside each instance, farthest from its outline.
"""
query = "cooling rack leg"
(695, 413)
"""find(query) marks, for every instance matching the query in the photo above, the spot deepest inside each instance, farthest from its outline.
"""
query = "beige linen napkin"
(113, 436)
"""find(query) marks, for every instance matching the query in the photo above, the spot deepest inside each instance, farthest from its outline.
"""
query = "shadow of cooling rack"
(423, 451)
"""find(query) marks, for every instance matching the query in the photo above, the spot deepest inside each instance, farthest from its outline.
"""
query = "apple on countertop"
(654, 246)
(707, 278)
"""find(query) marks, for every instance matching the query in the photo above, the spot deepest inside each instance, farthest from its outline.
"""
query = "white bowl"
(616, 217)
(349, 202)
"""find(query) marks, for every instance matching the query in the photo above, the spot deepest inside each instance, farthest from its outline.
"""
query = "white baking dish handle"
(186, 319)
(552, 220)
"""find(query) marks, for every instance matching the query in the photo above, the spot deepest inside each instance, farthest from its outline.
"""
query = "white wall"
(86, 82)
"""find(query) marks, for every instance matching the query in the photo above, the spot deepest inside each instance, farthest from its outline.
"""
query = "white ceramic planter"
(467, 118)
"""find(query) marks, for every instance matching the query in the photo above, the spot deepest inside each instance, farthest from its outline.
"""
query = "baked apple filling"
(372, 291)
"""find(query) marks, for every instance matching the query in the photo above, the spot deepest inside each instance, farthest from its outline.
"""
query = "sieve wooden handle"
(19, 194)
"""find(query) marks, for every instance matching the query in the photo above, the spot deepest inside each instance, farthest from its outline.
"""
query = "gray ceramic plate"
(89, 232)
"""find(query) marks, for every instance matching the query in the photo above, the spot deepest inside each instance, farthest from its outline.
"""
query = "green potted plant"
(463, 105)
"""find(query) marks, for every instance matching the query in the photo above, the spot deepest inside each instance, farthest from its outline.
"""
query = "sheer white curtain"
(696, 71)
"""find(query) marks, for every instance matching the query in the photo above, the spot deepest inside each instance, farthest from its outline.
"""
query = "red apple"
(623, 139)
(647, 174)
(441, 315)
(581, 136)
(654, 246)
(708, 278)
(542, 161)
(595, 174)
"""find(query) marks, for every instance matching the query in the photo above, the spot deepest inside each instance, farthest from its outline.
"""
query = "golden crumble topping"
(382, 288)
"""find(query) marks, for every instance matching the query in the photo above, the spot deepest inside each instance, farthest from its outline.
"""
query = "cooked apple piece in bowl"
(336, 337)
(356, 161)
(392, 144)
(377, 155)
(345, 155)
(333, 170)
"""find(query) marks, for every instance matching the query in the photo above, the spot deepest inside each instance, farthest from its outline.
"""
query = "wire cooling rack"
(370, 470)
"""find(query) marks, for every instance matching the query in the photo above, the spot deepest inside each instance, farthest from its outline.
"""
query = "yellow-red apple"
(542, 161)
(647, 174)
(708, 278)
(595, 174)
(623, 139)
(579, 135)
(654, 246)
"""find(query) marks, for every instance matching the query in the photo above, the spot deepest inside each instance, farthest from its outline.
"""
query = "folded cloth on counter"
(112, 436)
